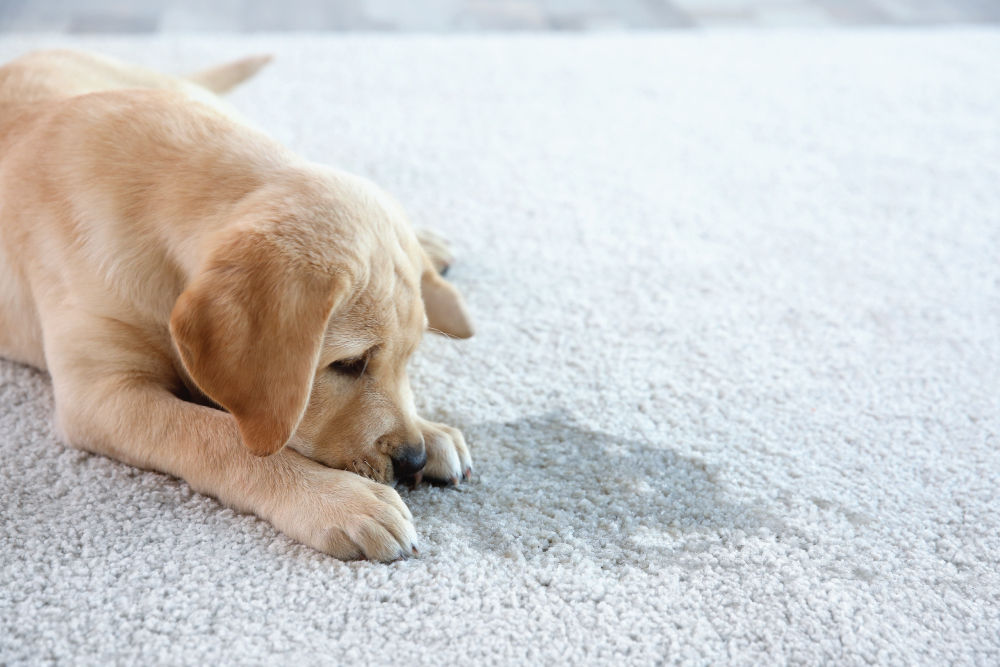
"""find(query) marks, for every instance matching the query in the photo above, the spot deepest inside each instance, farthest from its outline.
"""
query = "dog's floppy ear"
(249, 329)
(446, 311)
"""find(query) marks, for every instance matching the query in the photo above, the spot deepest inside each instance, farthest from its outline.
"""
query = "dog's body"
(162, 259)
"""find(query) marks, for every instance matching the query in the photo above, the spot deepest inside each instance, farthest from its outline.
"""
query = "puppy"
(211, 306)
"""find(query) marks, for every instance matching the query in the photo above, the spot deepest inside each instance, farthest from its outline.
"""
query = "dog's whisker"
(443, 333)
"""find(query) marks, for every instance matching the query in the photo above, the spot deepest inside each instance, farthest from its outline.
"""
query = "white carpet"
(735, 396)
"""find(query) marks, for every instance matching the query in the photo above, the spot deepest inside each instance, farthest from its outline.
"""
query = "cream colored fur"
(214, 307)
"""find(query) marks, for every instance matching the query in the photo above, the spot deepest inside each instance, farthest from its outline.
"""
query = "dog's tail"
(223, 78)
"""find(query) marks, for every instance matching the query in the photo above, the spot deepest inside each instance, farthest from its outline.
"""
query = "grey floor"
(152, 16)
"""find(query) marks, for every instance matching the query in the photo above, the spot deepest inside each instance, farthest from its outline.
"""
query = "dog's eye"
(354, 367)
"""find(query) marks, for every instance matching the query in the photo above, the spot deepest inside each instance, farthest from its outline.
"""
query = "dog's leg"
(448, 458)
(130, 416)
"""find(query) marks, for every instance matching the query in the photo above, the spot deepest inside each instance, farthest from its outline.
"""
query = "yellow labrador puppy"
(212, 306)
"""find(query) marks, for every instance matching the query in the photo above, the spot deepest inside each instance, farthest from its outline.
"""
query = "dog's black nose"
(409, 460)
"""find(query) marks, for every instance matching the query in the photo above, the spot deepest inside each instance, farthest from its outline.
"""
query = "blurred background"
(165, 16)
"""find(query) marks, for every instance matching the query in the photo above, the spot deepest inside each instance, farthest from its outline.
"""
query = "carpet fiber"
(735, 396)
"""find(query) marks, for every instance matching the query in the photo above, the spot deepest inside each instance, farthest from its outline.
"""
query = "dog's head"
(302, 318)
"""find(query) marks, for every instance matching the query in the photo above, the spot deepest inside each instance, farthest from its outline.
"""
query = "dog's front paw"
(347, 516)
(448, 458)
(437, 248)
